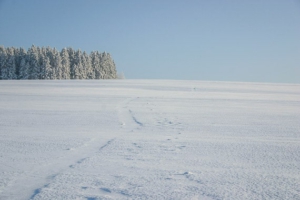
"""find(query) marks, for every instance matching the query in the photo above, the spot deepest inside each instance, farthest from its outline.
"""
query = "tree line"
(49, 63)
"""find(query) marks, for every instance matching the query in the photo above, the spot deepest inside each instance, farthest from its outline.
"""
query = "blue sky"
(234, 40)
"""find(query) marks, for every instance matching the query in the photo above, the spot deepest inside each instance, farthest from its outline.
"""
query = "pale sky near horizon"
(234, 40)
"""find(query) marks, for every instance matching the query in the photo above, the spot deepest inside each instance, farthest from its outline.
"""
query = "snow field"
(149, 139)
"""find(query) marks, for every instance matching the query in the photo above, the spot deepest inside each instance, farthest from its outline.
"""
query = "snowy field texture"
(149, 139)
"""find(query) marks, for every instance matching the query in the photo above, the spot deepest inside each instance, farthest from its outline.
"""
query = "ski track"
(52, 177)
(149, 140)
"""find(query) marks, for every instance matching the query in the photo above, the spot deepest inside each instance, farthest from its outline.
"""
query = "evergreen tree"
(33, 60)
(112, 72)
(72, 64)
(10, 64)
(24, 69)
(107, 67)
(65, 64)
(95, 59)
(87, 66)
(48, 72)
(50, 55)
(17, 61)
(102, 65)
(19, 55)
(2, 60)
(45, 67)
(42, 57)
(57, 64)
(8, 69)
(90, 69)
(80, 72)
(76, 72)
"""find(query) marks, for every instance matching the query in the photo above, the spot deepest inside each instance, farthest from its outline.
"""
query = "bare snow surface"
(149, 139)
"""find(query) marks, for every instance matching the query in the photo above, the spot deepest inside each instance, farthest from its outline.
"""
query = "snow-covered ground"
(149, 139)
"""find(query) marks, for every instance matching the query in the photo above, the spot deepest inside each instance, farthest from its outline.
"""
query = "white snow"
(149, 139)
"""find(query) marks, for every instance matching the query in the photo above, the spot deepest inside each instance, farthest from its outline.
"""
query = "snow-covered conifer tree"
(107, 66)
(90, 69)
(80, 72)
(87, 66)
(102, 65)
(48, 74)
(46, 69)
(8, 69)
(17, 61)
(19, 55)
(57, 64)
(71, 53)
(24, 69)
(2, 60)
(50, 54)
(33, 60)
(42, 57)
(95, 59)
(112, 68)
(10, 72)
(77, 74)
(65, 64)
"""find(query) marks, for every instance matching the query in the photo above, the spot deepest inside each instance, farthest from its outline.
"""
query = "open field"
(149, 139)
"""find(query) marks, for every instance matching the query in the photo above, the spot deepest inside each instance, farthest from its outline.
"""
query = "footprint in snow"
(135, 144)
(184, 173)
(81, 160)
(91, 198)
(187, 173)
(105, 190)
